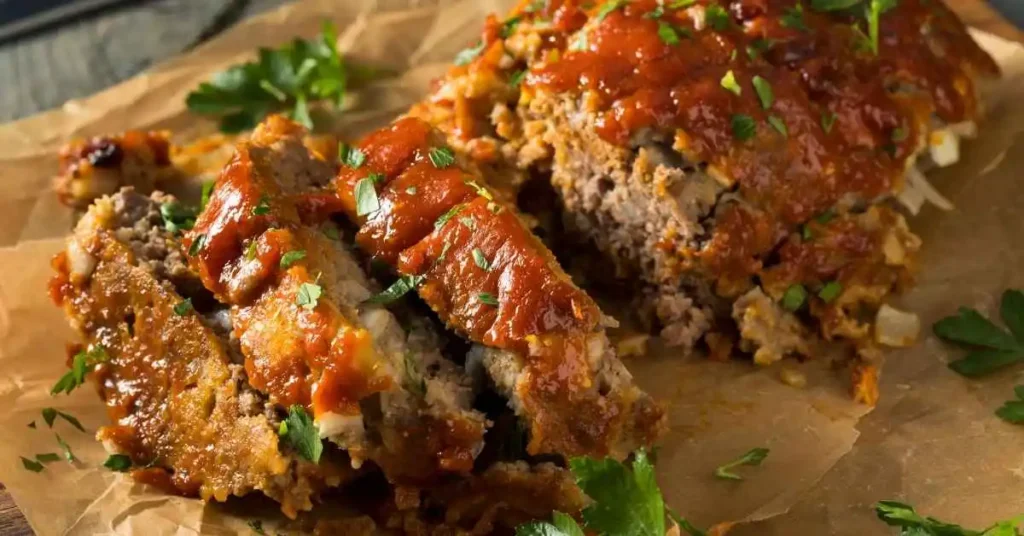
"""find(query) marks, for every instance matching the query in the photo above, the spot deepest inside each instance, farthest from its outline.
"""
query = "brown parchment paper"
(933, 440)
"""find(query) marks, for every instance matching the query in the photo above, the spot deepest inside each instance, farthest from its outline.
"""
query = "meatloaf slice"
(180, 400)
(491, 280)
(299, 307)
(694, 143)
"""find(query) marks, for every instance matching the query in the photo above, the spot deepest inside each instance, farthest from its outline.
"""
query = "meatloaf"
(180, 400)
(741, 159)
(471, 258)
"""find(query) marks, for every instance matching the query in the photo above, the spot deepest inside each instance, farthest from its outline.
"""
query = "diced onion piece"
(965, 129)
(917, 179)
(80, 261)
(896, 328)
(944, 147)
(912, 198)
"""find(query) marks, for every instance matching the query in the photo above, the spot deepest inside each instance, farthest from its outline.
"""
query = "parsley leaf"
(874, 15)
(280, 80)
(68, 455)
(897, 514)
(262, 207)
(1013, 411)
(561, 525)
(487, 298)
(994, 347)
(670, 34)
(50, 415)
(778, 124)
(308, 296)
(352, 157)
(729, 83)
(625, 502)
(828, 119)
(205, 196)
(399, 288)
(794, 297)
(717, 17)
(833, 5)
(303, 435)
(752, 457)
(516, 78)
(197, 245)
(830, 291)
(743, 127)
(177, 217)
(256, 526)
(467, 55)
(452, 212)
(481, 260)
(764, 91)
(80, 365)
(609, 7)
(366, 197)
(793, 18)
(442, 157)
(685, 524)
(48, 457)
(759, 46)
(680, 4)
(118, 462)
(292, 257)
(183, 307)
(31, 465)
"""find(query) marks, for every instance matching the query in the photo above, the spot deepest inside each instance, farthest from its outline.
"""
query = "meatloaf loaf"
(739, 158)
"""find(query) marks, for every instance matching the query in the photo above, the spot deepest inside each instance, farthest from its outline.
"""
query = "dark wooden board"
(44, 70)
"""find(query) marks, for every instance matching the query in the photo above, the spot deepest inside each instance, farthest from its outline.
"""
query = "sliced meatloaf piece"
(159, 348)
(696, 144)
(299, 309)
(471, 258)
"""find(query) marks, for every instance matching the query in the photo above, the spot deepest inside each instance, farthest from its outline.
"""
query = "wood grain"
(47, 69)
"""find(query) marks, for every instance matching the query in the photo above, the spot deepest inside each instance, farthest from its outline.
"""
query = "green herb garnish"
(830, 291)
(448, 216)
(352, 157)
(205, 196)
(609, 7)
(80, 365)
(48, 457)
(680, 4)
(468, 222)
(442, 157)
(828, 119)
(509, 26)
(197, 245)
(752, 457)
(764, 92)
(118, 462)
(793, 18)
(183, 307)
(481, 260)
(365, 193)
(729, 83)
(833, 5)
(308, 296)
(256, 526)
(399, 288)
(467, 55)
(31, 465)
(743, 127)
(262, 207)
(717, 17)
(1013, 411)
(487, 298)
(292, 257)
(758, 47)
(992, 347)
(303, 435)
(66, 449)
(794, 297)
(778, 124)
(874, 15)
(897, 514)
(177, 217)
(280, 80)
(670, 34)
(51, 414)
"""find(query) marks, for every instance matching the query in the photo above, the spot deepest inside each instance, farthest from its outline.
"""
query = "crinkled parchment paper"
(933, 440)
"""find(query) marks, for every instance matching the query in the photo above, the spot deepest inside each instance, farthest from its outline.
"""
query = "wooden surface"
(42, 70)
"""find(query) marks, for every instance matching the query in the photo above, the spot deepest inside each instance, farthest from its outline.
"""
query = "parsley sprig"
(626, 501)
(911, 523)
(992, 347)
(1013, 411)
(281, 79)
(302, 434)
(80, 365)
(752, 457)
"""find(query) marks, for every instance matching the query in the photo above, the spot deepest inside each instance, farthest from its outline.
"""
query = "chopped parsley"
(759, 46)
(778, 124)
(205, 196)
(399, 288)
(467, 55)
(31, 465)
(468, 222)
(729, 83)
(828, 119)
(680, 4)
(579, 42)
(609, 7)
(825, 217)
(177, 217)
(183, 307)
(250, 250)
(292, 257)
(256, 526)
(283, 79)
(764, 92)
(743, 127)
(897, 514)
(282, 429)
(898, 134)
(308, 296)
(717, 17)
(51, 414)
(874, 15)
(80, 365)
(66, 449)
(656, 13)
(992, 347)
(794, 297)
(262, 208)
(793, 18)
(32, 425)
(509, 26)
(626, 498)
(487, 298)
(452, 212)
(481, 260)
(366, 197)
(352, 157)
(753, 457)
(480, 190)
(303, 435)
(197, 245)
(670, 34)
(118, 462)
(48, 457)
(516, 78)
(1013, 411)
(442, 157)
(830, 291)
